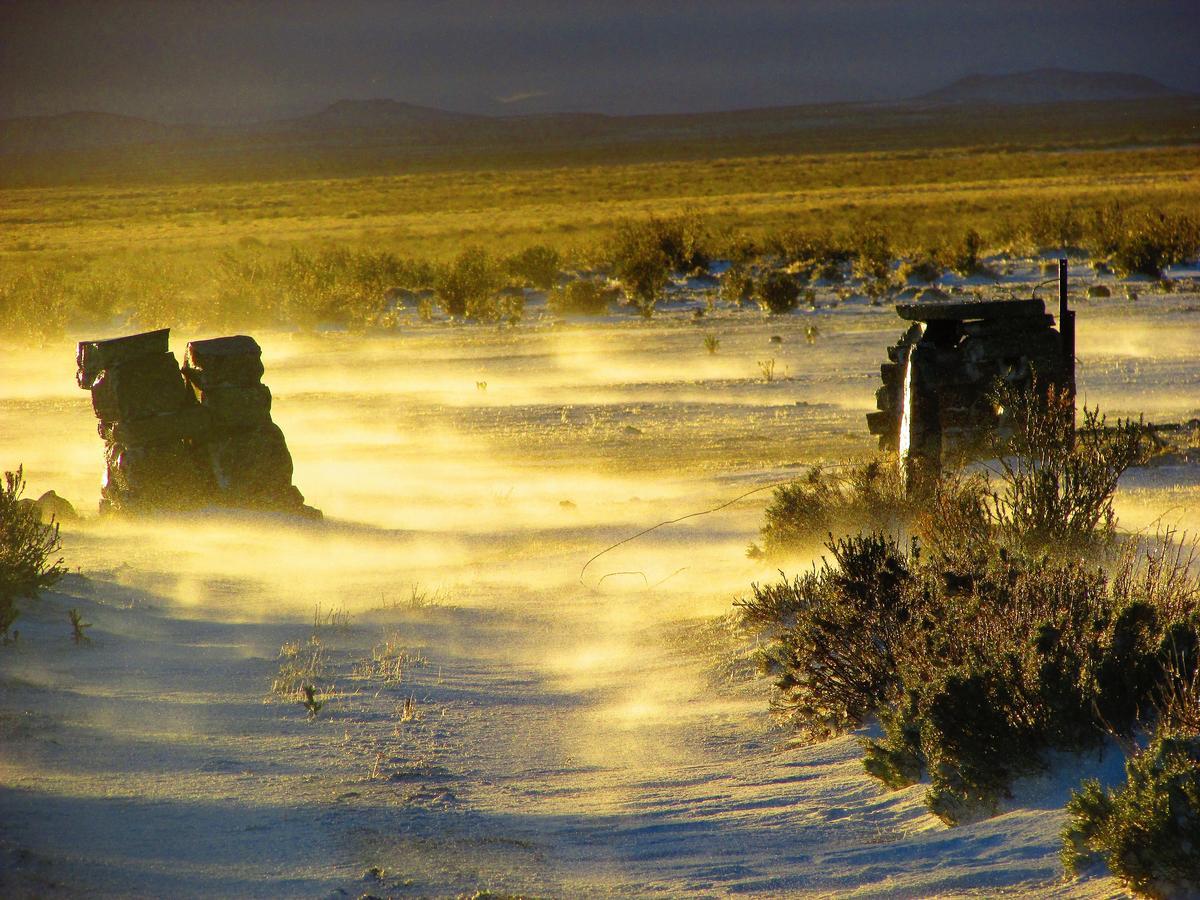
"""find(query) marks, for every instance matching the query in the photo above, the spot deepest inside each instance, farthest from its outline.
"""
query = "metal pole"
(1066, 330)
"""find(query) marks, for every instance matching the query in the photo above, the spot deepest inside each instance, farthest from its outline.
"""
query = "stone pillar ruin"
(185, 438)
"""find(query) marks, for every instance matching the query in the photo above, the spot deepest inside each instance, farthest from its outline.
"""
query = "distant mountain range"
(389, 121)
(1048, 86)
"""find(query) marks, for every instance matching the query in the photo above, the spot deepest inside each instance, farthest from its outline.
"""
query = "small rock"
(1098, 290)
(52, 508)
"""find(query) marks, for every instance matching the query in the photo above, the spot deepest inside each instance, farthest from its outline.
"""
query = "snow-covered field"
(569, 731)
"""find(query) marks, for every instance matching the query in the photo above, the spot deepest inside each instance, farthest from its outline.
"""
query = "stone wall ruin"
(937, 400)
(184, 437)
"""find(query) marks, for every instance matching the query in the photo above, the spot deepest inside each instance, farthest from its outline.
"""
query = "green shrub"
(736, 285)
(810, 254)
(836, 662)
(1148, 829)
(537, 266)
(1153, 241)
(465, 286)
(962, 256)
(582, 297)
(923, 267)
(1049, 226)
(777, 293)
(27, 549)
(873, 262)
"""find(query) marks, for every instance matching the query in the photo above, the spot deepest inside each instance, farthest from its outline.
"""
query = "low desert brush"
(28, 549)
(1013, 621)
(300, 664)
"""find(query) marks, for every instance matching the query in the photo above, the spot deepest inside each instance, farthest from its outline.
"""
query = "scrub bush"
(835, 661)
(962, 256)
(537, 266)
(736, 285)
(1015, 624)
(643, 254)
(467, 284)
(27, 550)
(810, 254)
(873, 262)
(583, 297)
(1154, 240)
(777, 293)
(1148, 829)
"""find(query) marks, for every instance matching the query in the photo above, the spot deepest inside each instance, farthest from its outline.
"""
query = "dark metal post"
(1066, 330)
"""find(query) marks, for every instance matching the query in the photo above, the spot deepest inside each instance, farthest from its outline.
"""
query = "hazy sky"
(221, 60)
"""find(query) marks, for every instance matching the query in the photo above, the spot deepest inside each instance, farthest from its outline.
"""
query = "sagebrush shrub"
(537, 266)
(863, 498)
(777, 293)
(582, 297)
(1050, 226)
(924, 266)
(1154, 240)
(873, 262)
(835, 662)
(644, 253)
(1058, 479)
(1148, 829)
(812, 254)
(1010, 628)
(27, 550)
(736, 285)
(963, 255)
(468, 283)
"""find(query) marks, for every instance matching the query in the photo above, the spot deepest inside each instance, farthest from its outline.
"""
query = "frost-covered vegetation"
(27, 550)
(984, 623)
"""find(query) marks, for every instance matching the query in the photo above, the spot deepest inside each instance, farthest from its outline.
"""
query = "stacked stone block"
(248, 455)
(149, 422)
(185, 438)
(955, 354)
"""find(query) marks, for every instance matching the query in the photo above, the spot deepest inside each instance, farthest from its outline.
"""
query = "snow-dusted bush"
(1148, 829)
(811, 254)
(27, 549)
(1010, 628)
(581, 297)
(467, 283)
(777, 293)
(537, 266)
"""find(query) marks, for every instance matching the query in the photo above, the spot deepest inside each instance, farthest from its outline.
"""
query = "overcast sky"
(222, 61)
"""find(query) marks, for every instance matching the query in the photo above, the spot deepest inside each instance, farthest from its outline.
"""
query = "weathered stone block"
(145, 386)
(238, 408)
(93, 357)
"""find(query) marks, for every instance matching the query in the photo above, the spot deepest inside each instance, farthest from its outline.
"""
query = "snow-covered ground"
(567, 734)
